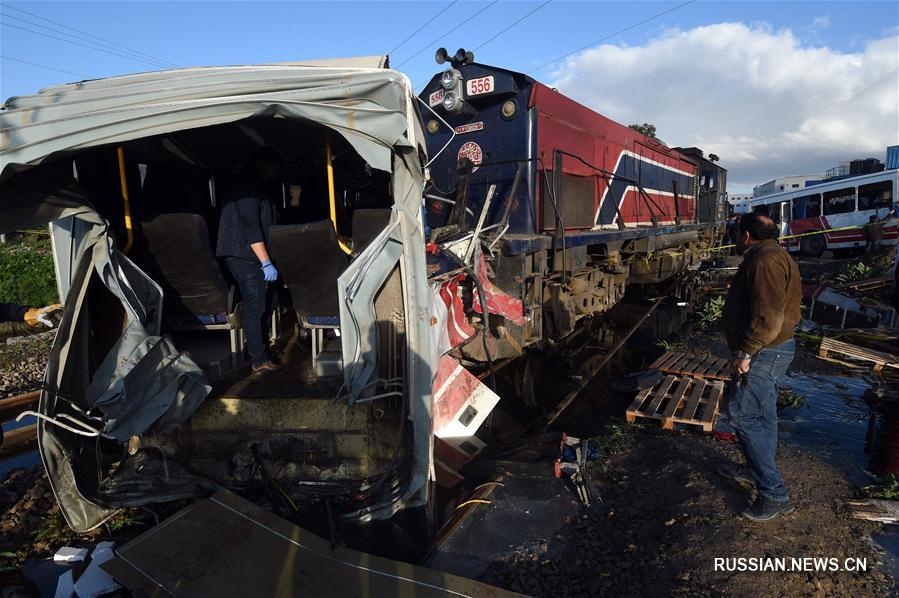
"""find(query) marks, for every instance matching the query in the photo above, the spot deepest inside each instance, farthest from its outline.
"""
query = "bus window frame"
(777, 215)
(889, 200)
(803, 202)
(827, 196)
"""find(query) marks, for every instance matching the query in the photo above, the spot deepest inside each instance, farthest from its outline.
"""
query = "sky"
(773, 88)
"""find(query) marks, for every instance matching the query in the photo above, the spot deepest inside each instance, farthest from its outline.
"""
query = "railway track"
(22, 439)
(583, 347)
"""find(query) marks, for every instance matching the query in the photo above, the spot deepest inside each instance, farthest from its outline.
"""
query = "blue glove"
(269, 272)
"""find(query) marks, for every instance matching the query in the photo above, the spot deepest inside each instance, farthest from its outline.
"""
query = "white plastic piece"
(67, 554)
(95, 582)
(65, 585)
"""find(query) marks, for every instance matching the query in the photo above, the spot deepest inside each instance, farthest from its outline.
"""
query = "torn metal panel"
(227, 546)
(142, 381)
(462, 404)
(357, 287)
(370, 107)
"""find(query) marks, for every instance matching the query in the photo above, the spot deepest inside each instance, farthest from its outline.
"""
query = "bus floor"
(211, 351)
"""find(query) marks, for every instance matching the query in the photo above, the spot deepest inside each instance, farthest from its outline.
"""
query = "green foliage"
(615, 438)
(54, 528)
(790, 399)
(124, 520)
(673, 345)
(711, 310)
(854, 272)
(809, 341)
(27, 276)
(646, 128)
(885, 487)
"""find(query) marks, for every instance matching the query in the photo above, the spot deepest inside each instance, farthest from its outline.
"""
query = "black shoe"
(733, 472)
(766, 509)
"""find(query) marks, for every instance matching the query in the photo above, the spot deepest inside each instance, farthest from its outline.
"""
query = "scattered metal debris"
(227, 546)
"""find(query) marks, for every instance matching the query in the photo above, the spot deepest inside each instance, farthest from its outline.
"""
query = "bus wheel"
(812, 246)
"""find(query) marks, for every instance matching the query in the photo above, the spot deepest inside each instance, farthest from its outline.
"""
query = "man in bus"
(247, 214)
(760, 314)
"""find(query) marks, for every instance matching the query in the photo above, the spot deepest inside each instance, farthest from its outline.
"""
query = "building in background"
(786, 184)
(892, 157)
(854, 168)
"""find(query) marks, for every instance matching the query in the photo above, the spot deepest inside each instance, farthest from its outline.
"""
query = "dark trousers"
(248, 274)
(752, 411)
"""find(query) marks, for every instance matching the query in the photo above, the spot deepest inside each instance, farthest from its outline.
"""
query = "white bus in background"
(837, 204)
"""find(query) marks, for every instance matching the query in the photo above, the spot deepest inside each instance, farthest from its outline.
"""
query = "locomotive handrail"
(606, 173)
(462, 193)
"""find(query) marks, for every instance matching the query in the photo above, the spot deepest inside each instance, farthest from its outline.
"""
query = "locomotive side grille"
(577, 206)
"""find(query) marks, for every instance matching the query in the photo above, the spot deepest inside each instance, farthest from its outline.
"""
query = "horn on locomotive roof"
(458, 59)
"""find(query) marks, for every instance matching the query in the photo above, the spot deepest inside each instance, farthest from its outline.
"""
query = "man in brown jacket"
(760, 314)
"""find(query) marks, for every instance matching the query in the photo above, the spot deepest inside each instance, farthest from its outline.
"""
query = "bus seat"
(176, 252)
(368, 224)
(310, 260)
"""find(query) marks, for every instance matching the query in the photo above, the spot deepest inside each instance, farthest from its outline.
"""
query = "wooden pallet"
(703, 366)
(679, 400)
(877, 359)
(871, 284)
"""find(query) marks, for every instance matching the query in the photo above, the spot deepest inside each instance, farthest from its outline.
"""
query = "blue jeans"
(752, 411)
(251, 283)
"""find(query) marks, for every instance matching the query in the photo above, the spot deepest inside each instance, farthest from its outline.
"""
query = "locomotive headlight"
(433, 126)
(448, 78)
(509, 108)
(450, 101)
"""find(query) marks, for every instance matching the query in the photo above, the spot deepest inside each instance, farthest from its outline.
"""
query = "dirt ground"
(667, 516)
(32, 527)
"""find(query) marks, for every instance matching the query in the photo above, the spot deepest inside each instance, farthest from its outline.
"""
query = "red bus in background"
(843, 205)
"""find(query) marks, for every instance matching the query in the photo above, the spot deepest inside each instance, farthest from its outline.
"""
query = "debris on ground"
(670, 515)
(96, 582)
(875, 509)
(848, 353)
(32, 527)
(572, 467)
(67, 554)
(228, 546)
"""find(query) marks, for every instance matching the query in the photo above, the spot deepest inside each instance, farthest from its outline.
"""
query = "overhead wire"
(512, 25)
(105, 51)
(428, 22)
(97, 37)
(431, 45)
(43, 66)
(83, 39)
(611, 35)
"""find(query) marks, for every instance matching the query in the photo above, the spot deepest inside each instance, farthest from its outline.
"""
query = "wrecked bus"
(141, 400)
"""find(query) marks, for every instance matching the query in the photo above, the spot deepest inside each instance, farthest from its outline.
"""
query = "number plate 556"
(481, 85)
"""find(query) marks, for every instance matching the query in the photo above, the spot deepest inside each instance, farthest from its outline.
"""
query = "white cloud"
(819, 23)
(758, 98)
